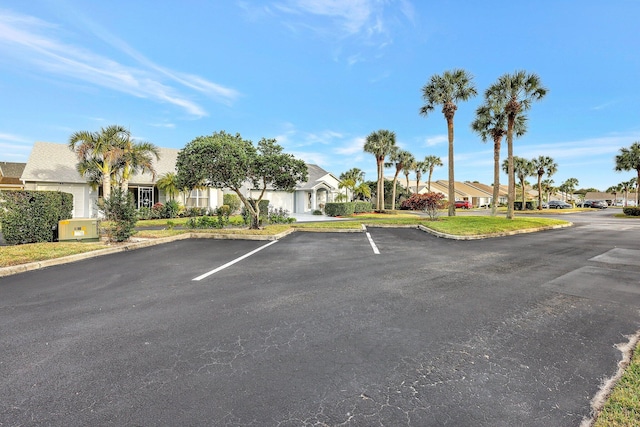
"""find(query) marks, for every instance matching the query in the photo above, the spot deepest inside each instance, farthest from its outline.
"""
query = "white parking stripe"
(230, 263)
(373, 244)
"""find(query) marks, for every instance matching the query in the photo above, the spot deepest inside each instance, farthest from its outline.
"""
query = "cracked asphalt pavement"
(317, 330)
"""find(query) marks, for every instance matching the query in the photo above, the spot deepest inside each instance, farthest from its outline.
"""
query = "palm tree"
(625, 186)
(430, 163)
(380, 144)
(629, 159)
(397, 158)
(633, 184)
(548, 188)
(409, 165)
(517, 91)
(569, 187)
(169, 184)
(542, 165)
(446, 90)
(136, 157)
(614, 189)
(523, 168)
(98, 153)
(491, 122)
(420, 168)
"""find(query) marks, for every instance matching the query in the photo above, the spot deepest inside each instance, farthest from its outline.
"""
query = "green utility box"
(78, 229)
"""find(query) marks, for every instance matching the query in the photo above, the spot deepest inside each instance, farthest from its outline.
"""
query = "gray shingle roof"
(51, 162)
(315, 174)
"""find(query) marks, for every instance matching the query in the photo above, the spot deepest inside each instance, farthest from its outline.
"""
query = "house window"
(198, 199)
(145, 197)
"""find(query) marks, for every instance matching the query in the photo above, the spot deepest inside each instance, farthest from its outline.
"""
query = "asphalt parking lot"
(317, 329)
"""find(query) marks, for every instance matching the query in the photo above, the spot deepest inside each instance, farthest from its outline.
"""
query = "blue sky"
(320, 75)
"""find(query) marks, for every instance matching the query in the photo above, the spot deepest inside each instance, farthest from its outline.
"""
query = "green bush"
(233, 201)
(171, 209)
(279, 216)
(32, 216)
(121, 211)
(340, 209)
(362, 207)
(317, 212)
(631, 211)
(264, 211)
(205, 222)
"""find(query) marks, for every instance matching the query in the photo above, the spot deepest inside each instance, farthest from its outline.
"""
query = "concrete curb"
(488, 236)
(329, 230)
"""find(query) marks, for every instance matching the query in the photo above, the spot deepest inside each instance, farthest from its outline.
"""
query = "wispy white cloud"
(605, 105)
(590, 147)
(354, 146)
(436, 140)
(29, 40)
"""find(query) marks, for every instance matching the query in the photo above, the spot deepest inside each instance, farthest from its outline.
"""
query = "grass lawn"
(623, 405)
(21, 254)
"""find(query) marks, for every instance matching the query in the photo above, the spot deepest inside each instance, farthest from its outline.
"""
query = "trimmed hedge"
(340, 209)
(362, 207)
(631, 211)
(32, 216)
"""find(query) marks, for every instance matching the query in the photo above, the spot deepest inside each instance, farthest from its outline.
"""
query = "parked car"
(463, 204)
(558, 204)
(597, 204)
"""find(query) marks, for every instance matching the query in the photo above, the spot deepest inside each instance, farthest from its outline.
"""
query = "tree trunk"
(393, 197)
(106, 185)
(452, 185)
(524, 200)
(539, 192)
(496, 176)
(429, 181)
(512, 184)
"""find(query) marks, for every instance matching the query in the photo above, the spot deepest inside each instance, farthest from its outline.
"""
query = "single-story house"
(52, 167)
(488, 189)
(10, 173)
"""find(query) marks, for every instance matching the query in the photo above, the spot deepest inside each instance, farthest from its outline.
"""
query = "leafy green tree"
(380, 144)
(430, 163)
(223, 160)
(523, 168)
(168, 183)
(629, 159)
(98, 154)
(516, 92)
(491, 122)
(543, 165)
(350, 180)
(625, 186)
(397, 159)
(446, 90)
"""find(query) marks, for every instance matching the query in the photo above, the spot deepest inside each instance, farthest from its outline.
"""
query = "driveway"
(317, 329)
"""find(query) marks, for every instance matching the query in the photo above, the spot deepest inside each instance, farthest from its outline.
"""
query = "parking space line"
(230, 263)
(373, 244)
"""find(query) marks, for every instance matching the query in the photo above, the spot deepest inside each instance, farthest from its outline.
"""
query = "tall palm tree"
(517, 91)
(629, 159)
(569, 186)
(431, 162)
(548, 188)
(410, 164)
(614, 189)
(136, 157)
(420, 168)
(98, 153)
(169, 184)
(523, 168)
(491, 122)
(625, 186)
(543, 165)
(380, 144)
(397, 158)
(446, 90)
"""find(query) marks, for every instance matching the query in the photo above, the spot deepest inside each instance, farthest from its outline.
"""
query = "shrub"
(121, 211)
(171, 209)
(317, 212)
(631, 211)
(205, 222)
(427, 202)
(144, 213)
(279, 216)
(362, 207)
(32, 216)
(339, 209)
(233, 201)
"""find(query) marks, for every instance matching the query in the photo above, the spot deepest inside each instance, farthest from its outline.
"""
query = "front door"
(145, 197)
